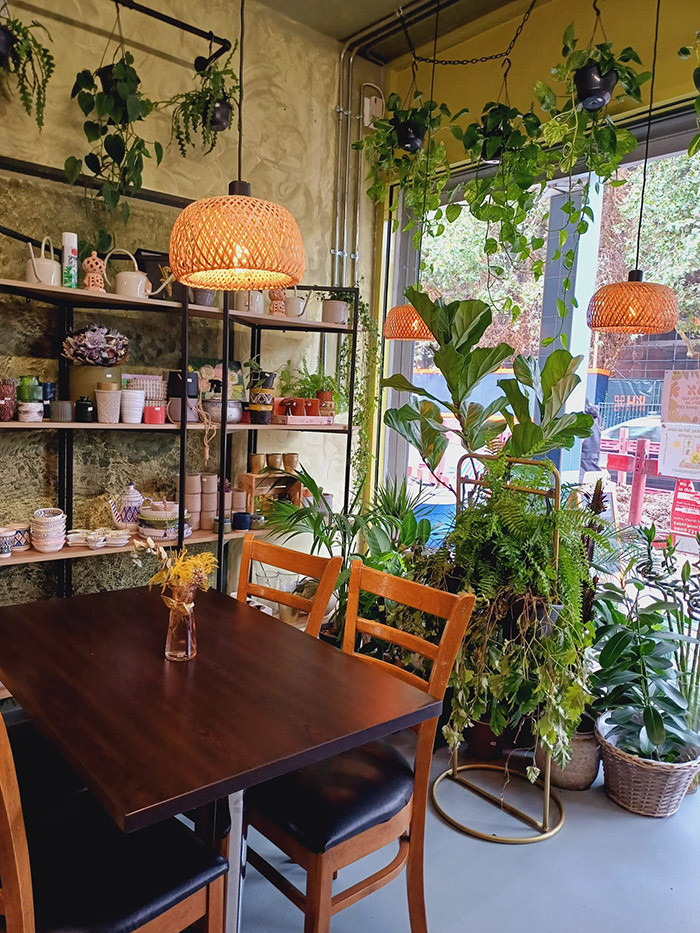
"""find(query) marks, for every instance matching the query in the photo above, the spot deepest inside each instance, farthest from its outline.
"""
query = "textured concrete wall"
(289, 156)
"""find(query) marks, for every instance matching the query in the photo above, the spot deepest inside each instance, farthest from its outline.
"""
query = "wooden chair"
(74, 869)
(323, 569)
(329, 815)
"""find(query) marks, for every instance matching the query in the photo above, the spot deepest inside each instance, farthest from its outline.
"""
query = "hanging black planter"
(7, 40)
(220, 116)
(594, 89)
(408, 135)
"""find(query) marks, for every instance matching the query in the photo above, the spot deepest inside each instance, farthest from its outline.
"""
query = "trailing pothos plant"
(458, 327)
(31, 64)
(205, 110)
(114, 108)
(403, 148)
(686, 52)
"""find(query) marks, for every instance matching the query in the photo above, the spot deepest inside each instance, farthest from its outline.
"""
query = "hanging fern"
(32, 65)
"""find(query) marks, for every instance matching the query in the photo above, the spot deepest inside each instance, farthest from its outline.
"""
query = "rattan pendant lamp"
(237, 242)
(635, 306)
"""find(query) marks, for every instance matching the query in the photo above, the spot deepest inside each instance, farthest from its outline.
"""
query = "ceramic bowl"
(48, 515)
(163, 534)
(48, 535)
(48, 547)
(7, 539)
(77, 537)
(95, 540)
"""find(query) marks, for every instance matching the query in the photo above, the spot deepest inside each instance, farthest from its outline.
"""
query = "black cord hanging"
(648, 136)
(240, 90)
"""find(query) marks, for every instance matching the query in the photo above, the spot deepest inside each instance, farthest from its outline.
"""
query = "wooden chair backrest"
(323, 569)
(16, 900)
(455, 610)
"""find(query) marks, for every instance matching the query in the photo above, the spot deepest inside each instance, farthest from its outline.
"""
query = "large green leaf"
(526, 439)
(469, 324)
(434, 313)
(654, 725)
(526, 370)
(453, 367)
(401, 384)
(558, 396)
(517, 399)
(378, 541)
(416, 423)
(485, 360)
(614, 647)
(558, 364)
(478, 430)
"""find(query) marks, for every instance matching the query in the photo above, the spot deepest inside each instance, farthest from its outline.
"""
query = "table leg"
(237, 856)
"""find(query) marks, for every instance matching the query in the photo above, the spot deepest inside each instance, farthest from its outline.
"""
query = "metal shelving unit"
(66, 300)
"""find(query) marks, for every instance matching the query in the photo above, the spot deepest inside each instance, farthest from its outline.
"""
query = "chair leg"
(215, 905)
(415, 887)
(319, 882)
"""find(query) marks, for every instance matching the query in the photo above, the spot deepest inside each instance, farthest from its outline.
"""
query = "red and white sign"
(685, 510)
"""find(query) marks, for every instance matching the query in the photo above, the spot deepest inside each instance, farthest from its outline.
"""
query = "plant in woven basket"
(206, 110)
(24, 57)
(686, 52)
(113, 107)
(637, 683)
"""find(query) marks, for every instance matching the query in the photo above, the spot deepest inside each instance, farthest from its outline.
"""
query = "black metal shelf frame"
(66, 434)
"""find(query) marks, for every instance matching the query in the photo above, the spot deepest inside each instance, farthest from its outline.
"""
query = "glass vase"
(181, 643)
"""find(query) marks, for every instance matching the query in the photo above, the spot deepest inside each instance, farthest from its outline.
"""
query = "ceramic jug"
(126, 513)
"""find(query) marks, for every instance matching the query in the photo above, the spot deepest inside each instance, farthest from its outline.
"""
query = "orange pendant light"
(404, 323)
(635, 306)
(237, 242)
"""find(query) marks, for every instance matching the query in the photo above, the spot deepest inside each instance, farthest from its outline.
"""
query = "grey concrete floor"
(607, 871)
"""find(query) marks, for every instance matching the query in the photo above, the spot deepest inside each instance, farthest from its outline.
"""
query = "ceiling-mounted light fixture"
(635, 306)
(237, 242)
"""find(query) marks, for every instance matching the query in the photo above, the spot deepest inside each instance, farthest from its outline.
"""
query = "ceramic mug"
(274, 461)
(22, 540)
(256, 463)
(241, 521)
(7, 539)
(251, 302)
(44, 269)
(291, 462)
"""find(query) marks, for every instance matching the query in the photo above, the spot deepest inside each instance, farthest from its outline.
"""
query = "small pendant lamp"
(237, 242)
(635, 306)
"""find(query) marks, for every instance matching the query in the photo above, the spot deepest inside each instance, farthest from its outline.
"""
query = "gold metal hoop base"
(544, 831)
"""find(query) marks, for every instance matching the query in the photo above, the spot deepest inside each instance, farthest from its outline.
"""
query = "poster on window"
(685, 510)
(679, 453)
(680, 401)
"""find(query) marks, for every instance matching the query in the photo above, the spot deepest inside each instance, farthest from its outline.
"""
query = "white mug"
(43, 269)
(251, 302)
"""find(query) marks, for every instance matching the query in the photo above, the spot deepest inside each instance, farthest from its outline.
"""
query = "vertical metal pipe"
(547, 790)
(351, 399)
(185, 349)
(223, 442)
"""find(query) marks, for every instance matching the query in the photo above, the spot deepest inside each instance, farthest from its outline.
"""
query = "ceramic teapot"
(126, 514)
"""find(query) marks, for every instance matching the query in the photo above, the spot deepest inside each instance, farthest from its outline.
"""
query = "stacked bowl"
(48, 530)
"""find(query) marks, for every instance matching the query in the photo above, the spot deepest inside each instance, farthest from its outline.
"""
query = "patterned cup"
(7, 537)
(22, 540)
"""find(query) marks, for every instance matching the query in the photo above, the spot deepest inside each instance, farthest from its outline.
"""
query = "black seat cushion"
(89, 877)
(44, 778)
(326, 803)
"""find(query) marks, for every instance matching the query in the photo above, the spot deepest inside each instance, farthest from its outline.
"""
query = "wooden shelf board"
(4, 693)
(192, 426)
(66, 553)
(82, 298)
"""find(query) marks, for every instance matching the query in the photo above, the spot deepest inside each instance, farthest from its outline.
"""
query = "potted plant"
(31, 64)
(260, 392)
(650, 752)
(686, 52)
(302, 383)
(97, 354)
(117, 154)
(205, 110)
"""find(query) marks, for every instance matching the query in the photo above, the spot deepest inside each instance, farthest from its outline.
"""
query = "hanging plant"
(403, 149)
(206, 110)
(685, 52)
(113, 109)
(24, 57)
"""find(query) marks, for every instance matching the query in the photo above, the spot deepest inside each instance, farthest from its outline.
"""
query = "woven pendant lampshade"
(404, 323)
(236, 242)
(633, 307)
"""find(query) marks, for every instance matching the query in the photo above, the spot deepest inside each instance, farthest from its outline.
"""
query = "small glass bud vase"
(181, 643)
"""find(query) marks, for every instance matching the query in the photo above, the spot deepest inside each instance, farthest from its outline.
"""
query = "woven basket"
(156, 390)
(650, 788)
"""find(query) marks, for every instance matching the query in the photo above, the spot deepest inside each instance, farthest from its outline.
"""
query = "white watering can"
(133, 283)
(44, 269)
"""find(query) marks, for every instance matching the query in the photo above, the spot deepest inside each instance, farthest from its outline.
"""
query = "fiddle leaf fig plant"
(113, 110)
(31, 64)
(686, 52)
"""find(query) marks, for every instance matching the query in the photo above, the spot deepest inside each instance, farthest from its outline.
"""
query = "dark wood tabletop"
(152, 738)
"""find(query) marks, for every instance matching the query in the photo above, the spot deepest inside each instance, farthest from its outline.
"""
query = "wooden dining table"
(153, 738)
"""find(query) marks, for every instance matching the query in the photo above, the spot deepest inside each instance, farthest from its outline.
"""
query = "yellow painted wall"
(626, 22)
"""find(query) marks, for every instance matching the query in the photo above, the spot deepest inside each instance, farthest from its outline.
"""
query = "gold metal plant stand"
(544, 829)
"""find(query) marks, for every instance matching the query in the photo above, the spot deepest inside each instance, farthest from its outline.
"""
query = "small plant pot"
(262, 380)
(7, 40)
(221, 116)
(408, 136)
(593, 89)
(582, 769)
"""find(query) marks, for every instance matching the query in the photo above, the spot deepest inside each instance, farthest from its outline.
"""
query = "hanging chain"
(465, 61)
